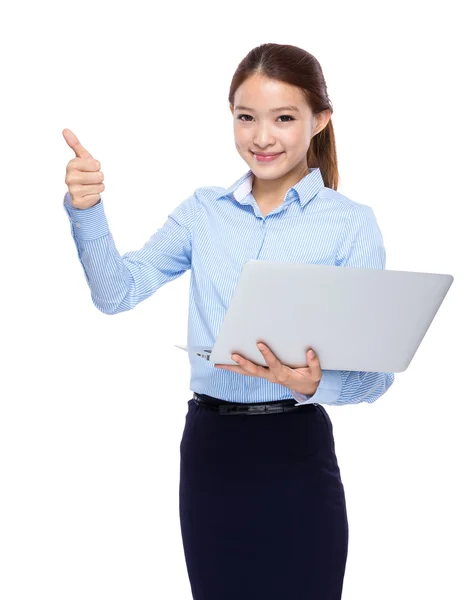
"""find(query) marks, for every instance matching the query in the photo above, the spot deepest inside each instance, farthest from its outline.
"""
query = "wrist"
(308, 392)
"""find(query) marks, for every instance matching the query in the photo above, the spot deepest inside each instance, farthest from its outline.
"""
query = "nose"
(262, 137)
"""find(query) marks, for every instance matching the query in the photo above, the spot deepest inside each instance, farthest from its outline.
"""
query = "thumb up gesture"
(83, 177)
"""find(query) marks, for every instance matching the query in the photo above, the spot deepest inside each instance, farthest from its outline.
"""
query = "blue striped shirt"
(213, 233)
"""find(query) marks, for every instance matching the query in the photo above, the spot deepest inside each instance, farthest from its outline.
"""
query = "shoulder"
(340, 201)
(210, 192)
(348, 213)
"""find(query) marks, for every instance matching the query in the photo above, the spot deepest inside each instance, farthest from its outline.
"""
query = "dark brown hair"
(295, 66)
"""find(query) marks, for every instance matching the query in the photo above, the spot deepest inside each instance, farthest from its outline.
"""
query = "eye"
(280, 117)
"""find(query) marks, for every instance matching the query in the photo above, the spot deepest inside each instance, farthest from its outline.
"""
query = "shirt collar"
(306, 189)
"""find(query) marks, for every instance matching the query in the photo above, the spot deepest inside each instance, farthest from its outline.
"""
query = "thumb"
(75, 145)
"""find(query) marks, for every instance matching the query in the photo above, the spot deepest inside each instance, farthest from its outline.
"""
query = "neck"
(273, 190)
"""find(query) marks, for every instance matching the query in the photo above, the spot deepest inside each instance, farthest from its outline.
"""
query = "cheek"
(241, 137)
(295, 139)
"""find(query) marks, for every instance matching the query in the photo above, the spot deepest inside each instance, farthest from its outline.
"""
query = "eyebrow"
(272, 110)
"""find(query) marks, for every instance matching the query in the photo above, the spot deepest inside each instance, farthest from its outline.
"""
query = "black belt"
(233, 408)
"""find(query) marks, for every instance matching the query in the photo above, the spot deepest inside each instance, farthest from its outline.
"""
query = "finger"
(75, 145)
(232, 368)
(76, 176)
(313, 362)
(250, 368)
(280, 371)
(272, 361)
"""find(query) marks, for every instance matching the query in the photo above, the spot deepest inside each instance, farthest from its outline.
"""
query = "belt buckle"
(249, 410)
(225, 409)
(256, 410)
(274, 408)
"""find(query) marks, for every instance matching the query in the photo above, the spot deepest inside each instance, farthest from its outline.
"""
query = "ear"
(322, 119)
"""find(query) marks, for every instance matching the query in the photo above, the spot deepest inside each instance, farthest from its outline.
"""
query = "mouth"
(266, 157)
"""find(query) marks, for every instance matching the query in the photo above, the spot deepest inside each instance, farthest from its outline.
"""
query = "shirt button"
(78, 224)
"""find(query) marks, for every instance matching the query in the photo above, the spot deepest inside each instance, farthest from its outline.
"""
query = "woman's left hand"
(304, 380)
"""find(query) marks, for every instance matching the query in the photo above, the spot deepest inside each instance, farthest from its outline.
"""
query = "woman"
(262, 505)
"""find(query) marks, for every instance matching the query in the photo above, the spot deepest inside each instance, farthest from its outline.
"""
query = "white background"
(93, 406)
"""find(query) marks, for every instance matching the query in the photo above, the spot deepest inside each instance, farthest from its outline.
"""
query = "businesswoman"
(262, 505)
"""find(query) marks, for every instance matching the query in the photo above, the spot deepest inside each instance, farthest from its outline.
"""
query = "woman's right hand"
(83, 177)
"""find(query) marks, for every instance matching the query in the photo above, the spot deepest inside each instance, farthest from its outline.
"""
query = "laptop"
(355, 319)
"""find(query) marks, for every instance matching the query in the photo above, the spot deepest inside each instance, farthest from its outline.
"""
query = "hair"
(295, 66)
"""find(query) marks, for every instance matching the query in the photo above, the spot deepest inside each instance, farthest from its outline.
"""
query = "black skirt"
(262, 506)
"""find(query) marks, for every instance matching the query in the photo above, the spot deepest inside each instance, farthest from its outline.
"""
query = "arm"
(361, 246)
(119, 282)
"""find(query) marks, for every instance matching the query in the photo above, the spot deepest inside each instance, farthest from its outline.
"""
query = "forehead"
(262, 94)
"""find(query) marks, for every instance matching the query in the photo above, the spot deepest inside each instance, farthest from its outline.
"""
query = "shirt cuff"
(87, 223)
(327, 392)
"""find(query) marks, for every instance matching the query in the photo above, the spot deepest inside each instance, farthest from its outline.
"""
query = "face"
(260, 127)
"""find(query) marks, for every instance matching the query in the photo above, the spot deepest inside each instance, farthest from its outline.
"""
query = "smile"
(262, 159)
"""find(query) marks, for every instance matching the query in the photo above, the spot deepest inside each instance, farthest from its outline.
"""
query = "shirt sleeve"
(361, 246)
(119, 282)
